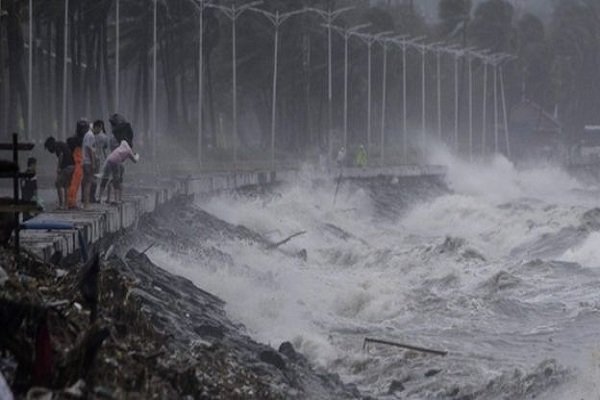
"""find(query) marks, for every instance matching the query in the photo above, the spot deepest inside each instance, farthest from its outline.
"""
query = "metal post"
(456, 105)
(495, 65)
(117, 54)
(233, 13)
(200, 77)
(276, 19)
(30, 74)
(329, 16)
(234, 66)
(329, 91)
(484, 131)
(404, 113)
(154, 75)
(346, 37)
(66, 52)
(274, 97)
(383, 104)
(423, 98)
(369, 47)
(439, 93)
(506, 132)
(470, 61)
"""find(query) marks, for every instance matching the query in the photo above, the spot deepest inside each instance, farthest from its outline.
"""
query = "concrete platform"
(99, 221)
(144, 195)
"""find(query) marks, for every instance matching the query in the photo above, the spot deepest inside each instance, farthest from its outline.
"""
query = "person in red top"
(75, 144)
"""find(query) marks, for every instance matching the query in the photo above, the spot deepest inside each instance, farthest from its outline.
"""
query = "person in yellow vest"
(361, 157)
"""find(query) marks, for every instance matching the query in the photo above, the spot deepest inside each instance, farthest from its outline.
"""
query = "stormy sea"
(497, 265)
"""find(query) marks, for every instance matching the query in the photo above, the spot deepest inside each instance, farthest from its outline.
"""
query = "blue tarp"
(58, 225)
(47, 225)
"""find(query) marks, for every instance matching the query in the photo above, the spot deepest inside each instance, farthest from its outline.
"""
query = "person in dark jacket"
(64, 169)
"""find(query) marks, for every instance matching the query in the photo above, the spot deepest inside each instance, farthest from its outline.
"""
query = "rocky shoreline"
(156, 336)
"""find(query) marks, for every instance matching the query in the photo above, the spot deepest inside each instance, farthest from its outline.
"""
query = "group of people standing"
(89, 155)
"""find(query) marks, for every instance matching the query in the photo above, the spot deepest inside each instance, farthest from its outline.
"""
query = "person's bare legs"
(61, 199)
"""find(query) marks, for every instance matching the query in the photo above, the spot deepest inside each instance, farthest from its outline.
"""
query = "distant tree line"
(557, 67)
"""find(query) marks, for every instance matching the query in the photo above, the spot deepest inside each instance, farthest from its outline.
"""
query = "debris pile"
(124, 328)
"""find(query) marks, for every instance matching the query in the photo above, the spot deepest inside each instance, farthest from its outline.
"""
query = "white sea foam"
(365, 276)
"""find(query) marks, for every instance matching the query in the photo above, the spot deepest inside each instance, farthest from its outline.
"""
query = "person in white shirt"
(89, 164)
(112, 168)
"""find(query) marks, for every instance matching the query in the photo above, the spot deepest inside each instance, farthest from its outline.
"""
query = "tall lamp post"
(385, 43)
(347, 33)
(65, 58)
(484, 116)
(200, 5)
(423, 48)
(30, 73)
(403, 43)
(496, 61)
(506, 58)
(276, 19)
(329, 16)
(117, 53)
(154, 77)
(369, 39)
(233, 13)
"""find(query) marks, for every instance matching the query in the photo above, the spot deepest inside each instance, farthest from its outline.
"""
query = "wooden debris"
(284, 241)
(404, 346)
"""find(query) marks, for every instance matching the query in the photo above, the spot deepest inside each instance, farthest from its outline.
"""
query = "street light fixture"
(233, 13)
(495, 61)
(369, 39)
(403, 43)
(422, 48)
(200, 6)
(439, 48)
(276, 19)
(385, 41)
(329, 16)
(347, 33)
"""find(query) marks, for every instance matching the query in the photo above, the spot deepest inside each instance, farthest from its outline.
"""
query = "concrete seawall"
(143, 197)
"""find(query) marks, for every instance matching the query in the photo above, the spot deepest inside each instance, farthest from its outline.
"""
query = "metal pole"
(456, 106)
(66, 51)
(346, 37)
(423, 95)
(495, 107)
(506, 132)
(117, 57)
(439, 93)
(470, 60)
(404, 123)
(274, 96)
(30, 73)
(484, 131)
(369, 45)
(329, 89)
(234, 64)
(383, 103)
(154, 74)
(200, 77)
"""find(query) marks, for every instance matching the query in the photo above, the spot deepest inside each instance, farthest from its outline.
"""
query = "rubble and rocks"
(154, 335)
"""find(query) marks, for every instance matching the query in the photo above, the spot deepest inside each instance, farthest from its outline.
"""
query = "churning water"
(500, 267)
